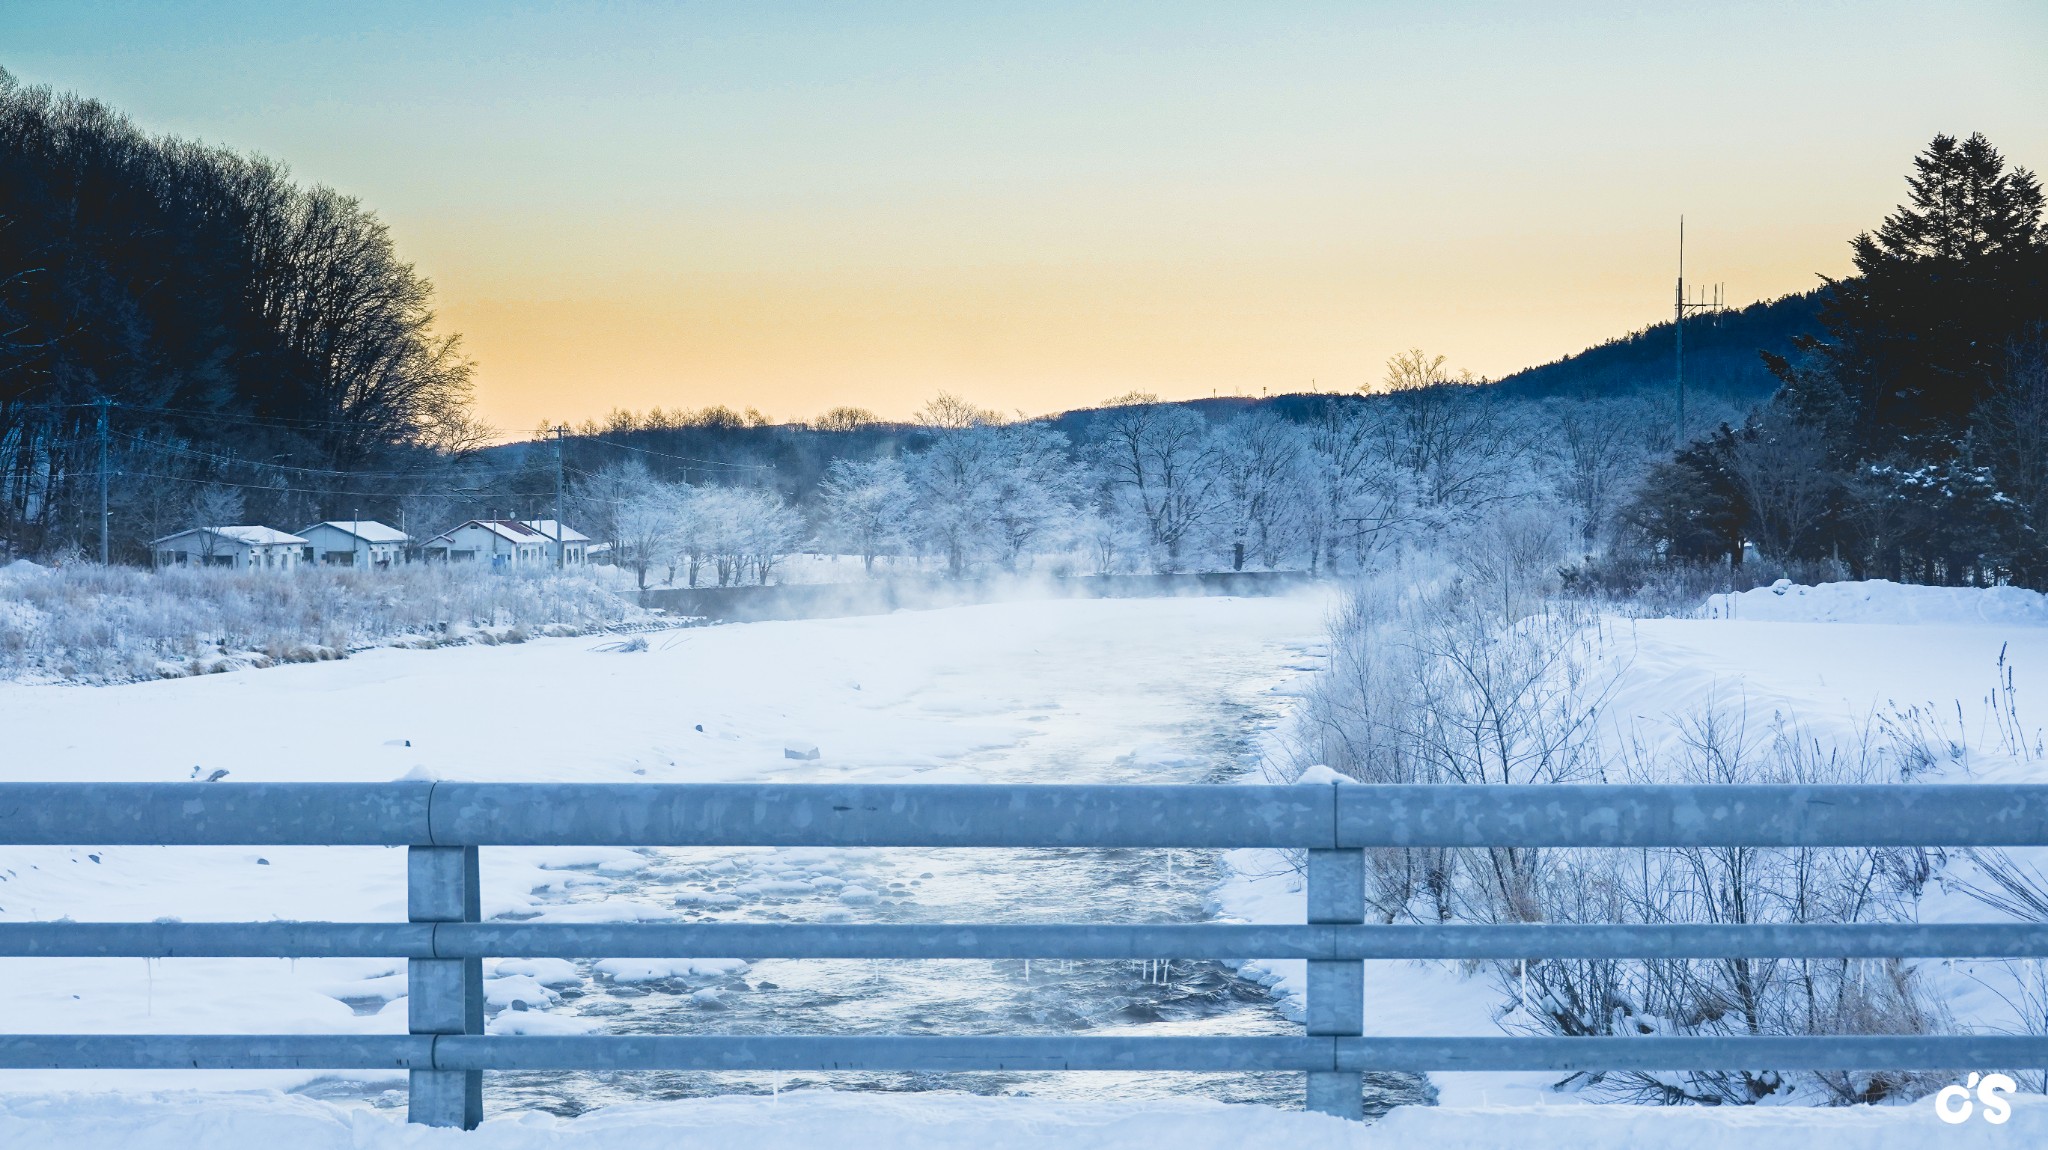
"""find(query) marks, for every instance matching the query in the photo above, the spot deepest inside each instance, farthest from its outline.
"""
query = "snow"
(258, 535)
(809, 1120)
(959, 694)
(1882, 601)
(367, 530)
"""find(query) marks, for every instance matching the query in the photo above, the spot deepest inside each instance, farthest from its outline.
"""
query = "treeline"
(1910, 438)
(1330, 484)
(258, 345)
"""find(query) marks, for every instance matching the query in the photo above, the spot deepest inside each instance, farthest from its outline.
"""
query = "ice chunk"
(550, 972)
(535, 1022)
(512, 991)
(658, 969)
(800, 750)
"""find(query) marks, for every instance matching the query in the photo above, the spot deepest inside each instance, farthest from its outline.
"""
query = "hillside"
(1720, 354)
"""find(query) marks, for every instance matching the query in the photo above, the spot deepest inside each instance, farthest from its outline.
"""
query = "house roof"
(367, 530)
(547, 527)
(508, 529)
(249, 535)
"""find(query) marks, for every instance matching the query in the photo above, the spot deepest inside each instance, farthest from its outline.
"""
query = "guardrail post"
(446, 994)
(1336, 990)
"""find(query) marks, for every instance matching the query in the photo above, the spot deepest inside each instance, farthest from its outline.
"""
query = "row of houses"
(368, 543)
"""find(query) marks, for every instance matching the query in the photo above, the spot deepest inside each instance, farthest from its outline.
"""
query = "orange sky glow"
(794, 207)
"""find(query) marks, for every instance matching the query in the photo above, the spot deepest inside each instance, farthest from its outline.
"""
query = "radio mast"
(1682, 306)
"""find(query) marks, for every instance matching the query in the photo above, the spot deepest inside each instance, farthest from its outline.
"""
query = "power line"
(281, 421)
(475, 493)
(678, 458)
(239, 461)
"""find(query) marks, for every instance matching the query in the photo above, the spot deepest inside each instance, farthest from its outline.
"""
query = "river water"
(955, 996)
(1201, 717)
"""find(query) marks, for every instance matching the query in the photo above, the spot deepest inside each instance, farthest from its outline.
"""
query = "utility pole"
(1680, 309)
(561, 560)
(103, 404)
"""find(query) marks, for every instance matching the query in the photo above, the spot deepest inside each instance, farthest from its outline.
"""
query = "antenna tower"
(1707, 300)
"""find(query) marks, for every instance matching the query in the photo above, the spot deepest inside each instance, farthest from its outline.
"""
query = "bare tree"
(214, 506)
(1164, 458)
(1597, 452)
(948, 412)
(845, 419)
(1781, 467)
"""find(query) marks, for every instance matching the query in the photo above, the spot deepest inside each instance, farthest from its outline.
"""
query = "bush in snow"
(1472, 672)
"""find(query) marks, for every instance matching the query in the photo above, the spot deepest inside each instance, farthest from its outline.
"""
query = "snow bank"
(1882, 601)
(810, 1119)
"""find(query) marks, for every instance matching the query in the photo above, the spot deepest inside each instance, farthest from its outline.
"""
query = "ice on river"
(1136, 690)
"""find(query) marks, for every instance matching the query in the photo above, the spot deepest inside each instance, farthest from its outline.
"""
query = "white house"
(499, 542)
(575, 544)
(356, 543)
(244, 548)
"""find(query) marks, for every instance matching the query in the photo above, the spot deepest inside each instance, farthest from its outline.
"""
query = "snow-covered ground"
(1049, 690)
(825, 1121)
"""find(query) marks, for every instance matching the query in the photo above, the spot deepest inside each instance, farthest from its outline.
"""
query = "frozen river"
(1140, 691)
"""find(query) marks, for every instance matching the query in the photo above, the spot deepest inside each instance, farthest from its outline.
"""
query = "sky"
(796, 206)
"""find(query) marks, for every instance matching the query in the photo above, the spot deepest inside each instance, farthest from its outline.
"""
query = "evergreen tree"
(1943, 286)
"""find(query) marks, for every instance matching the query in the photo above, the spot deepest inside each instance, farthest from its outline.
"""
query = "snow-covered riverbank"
(817, 1120)
(1123, 690)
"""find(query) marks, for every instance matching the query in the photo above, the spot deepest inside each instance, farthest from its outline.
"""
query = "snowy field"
(1058, 691)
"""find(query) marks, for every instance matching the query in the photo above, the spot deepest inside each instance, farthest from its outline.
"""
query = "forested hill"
(1720, 355)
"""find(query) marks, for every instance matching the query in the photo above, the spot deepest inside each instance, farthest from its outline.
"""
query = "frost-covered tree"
(774, 531)
(743, 533)
(1111, 532)
(1596, 452)
(650, 520)
(1360, 504)
(216, 505)
(1162, 458)
(865, 505)
(1460, 446)
(1037, 488)
(955, 482)
(1265, 466)
(213, 506)
(597, 501)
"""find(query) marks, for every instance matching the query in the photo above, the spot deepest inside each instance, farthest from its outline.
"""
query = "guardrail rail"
(442, 825)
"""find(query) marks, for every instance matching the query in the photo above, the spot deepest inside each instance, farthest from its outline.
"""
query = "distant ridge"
(1721, 355)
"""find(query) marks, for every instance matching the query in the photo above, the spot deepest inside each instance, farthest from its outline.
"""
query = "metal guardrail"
(443, 825)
